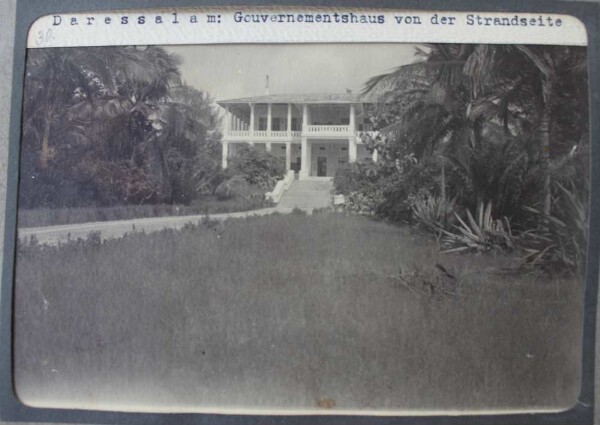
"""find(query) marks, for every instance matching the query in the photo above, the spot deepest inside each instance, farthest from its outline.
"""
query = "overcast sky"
(231, 71)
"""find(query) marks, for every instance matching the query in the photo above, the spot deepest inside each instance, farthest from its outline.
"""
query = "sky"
(232, 71)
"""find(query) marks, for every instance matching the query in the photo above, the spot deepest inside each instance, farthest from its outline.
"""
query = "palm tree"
(457, 94)
(530, 81)
(99, 99)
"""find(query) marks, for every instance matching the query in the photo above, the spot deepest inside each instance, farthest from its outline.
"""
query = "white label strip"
(308, 25)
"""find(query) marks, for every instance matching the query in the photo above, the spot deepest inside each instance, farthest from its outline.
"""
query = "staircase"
(307, 195)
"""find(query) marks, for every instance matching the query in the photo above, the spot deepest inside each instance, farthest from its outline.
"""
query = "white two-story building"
(313, 133)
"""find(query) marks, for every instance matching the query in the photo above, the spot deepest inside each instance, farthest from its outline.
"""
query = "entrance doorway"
(296, 165)
(321, 166)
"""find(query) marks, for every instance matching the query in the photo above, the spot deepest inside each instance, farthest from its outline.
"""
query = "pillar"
(268, 146)
(352, 149)
(289, 119)
(305, 161)
(352, 120)
(252, 120)
(227, 120)
(304, 118)
(269, 117)
(288, 156)
(225, 154)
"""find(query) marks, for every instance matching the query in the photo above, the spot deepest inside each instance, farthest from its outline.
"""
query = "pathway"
(305, 195)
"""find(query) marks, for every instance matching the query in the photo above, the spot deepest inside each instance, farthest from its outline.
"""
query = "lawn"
(289, 313)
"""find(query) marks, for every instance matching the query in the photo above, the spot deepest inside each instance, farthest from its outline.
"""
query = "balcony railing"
(328, 129)
(238, 133)
(262, 134)
(311, 130)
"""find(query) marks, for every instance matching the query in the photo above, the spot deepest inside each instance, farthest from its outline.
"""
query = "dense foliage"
(258, 167)
(495, 128)
(114, 125)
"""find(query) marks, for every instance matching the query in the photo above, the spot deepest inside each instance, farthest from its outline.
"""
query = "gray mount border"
(11, 409)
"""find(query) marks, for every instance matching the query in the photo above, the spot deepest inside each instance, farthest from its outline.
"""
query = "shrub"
(234, 187)
(257, 167)
(559, 240)
(483, 234)
(298, 211)
(434, 212)
(367, 202)
(357, 176)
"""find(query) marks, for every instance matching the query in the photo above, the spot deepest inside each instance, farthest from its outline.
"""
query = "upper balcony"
(289, 118)
(261, 135)
(312, 131)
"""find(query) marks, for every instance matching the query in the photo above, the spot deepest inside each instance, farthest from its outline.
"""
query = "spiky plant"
(559, 240)
(480, 233)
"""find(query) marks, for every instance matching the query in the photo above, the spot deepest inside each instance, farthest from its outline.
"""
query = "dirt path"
(52, 235)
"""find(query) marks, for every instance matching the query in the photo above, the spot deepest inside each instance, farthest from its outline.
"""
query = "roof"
(341, 98)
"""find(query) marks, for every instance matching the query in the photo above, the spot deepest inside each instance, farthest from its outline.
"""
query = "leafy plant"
(364, 203)
(480, 233)
(257, 167)
(434, 212)
(559, 240)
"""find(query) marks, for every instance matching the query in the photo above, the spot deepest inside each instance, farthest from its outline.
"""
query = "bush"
(434, 212)
(366, 202)
(235, 187)
(356, 177)
(257, 167)
(559, 240)
(481, 234)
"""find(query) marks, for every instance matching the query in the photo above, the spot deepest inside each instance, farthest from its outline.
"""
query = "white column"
(288, 156)
(225, 154)
(289, 119)
(352, 120)
(304, 118)
(352, 149)
(252, 120)
(227, 120)
(305, 159)
(375, 155)
(269, 117)
(268, 146)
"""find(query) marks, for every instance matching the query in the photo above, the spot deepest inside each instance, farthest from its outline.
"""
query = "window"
(295, 126)
(262, 124)
(276, 124)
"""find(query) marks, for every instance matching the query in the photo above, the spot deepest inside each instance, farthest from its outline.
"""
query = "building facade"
(314, 134)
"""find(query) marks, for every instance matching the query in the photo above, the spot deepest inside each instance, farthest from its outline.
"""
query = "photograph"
(302, 228)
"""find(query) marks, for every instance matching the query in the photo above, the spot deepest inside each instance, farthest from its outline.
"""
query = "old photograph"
(359, 228)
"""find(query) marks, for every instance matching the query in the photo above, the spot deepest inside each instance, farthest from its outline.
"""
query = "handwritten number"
(44, 37)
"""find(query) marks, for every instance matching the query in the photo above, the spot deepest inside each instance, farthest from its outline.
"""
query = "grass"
(55, 216)
(288, 312)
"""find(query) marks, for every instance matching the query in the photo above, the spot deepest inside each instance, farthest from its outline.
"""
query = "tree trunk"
(443, 182)
(544, 140)
(46, 138)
